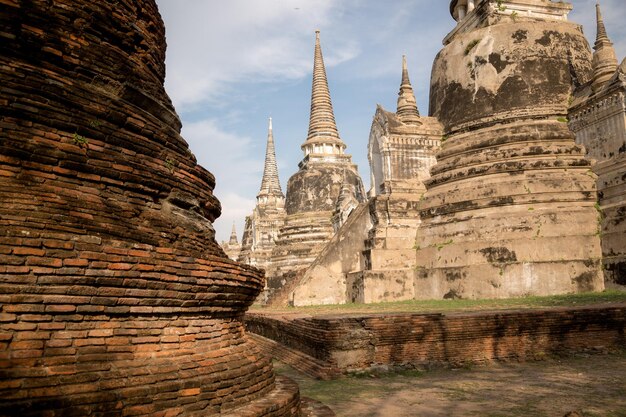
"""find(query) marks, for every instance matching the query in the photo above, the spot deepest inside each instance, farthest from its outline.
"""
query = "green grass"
(427, 306)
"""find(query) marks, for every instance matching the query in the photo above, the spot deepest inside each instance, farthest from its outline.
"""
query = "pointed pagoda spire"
(322, 126)
(233, 236)
(604, 59)
(270, 184)
(601, 30)
(407, 105)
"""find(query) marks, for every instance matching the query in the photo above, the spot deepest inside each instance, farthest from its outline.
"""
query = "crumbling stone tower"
(115, 298)
(312, 192)
(598, 117)
(401, 152)
(509, 209)
(371, 257)
(263, 225)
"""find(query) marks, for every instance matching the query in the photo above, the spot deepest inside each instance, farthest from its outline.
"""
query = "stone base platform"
(296, 359)
(284, 400)
(335, 344)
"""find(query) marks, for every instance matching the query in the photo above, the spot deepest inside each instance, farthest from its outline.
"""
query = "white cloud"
(225, 154)
(235, 208)
(237, 170)
(217, 44)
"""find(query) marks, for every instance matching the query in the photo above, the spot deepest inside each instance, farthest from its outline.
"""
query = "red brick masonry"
(324, 346)
(115, 299)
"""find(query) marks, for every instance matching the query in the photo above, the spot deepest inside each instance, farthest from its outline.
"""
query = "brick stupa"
(115, 298)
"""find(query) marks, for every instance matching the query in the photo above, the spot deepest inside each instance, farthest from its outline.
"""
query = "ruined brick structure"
(325, 346)
(115, 298)
(313, 191)
(509, 209)
(598, 117)
(263, 225)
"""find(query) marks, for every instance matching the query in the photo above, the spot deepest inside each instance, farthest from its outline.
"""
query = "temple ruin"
(597, 116)
(313, 191)
(263, 225)
(491, 196)
(115, 298)
(232, 247)
(371, 257)
(509, 209)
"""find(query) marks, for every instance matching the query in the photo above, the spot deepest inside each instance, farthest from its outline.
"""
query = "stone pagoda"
(509, 209)
(372, 256)
(268, 216)
(401, 151)
(232, 248)
(598, 118)
(402, 145)
(312, 192)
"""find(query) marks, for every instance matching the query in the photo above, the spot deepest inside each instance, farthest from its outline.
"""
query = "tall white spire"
(322, 126)
(270, 184)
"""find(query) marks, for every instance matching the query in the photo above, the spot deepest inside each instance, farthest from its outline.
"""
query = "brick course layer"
(115, 299)
(353, 343)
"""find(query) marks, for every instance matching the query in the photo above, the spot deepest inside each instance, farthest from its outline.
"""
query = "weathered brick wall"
(115, 298)
(356, 342)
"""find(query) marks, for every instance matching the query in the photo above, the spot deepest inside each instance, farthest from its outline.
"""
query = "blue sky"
(232, 64)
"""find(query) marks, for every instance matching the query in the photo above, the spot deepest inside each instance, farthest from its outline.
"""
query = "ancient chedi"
(598, 117)
(312, 192)
(232, 247)
(401, 152)
(372, 256)
(263, 225)
(509, 209)
(402, 145)
(115, 298)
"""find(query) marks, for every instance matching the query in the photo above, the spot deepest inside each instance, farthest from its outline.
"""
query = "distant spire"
(604, 59)
(270, 185)
(233, 236)
(322, 126)
(601, 31)
(407, 105)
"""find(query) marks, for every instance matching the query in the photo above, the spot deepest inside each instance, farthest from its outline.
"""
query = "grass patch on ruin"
(433, 306)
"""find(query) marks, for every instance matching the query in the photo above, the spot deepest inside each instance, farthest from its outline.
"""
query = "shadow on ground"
(592, 384)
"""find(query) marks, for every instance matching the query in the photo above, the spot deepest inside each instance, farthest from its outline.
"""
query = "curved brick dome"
(115, 298)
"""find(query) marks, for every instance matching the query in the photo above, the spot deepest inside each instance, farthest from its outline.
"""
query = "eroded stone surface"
(509, 209)
(598, 118)
(371, 257)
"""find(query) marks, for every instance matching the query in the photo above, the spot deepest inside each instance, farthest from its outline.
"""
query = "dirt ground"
(593, 385)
